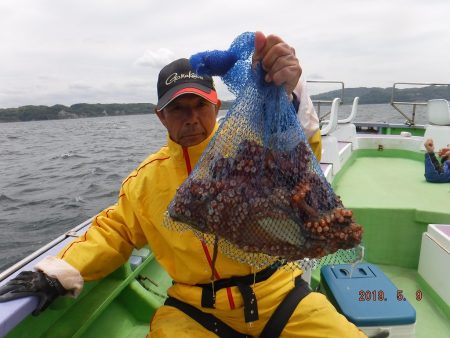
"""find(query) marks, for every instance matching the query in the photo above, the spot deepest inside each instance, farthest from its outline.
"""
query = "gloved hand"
(32, 283)
(429, 146)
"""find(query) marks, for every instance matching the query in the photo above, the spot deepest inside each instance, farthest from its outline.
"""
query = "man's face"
(189, 119)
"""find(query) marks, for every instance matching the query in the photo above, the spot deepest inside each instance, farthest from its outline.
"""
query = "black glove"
(31, 283)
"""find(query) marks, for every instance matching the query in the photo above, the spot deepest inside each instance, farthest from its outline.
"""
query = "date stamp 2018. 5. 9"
(380, 296)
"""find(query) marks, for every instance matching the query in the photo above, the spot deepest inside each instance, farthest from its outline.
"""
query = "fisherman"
(268, 303)
(436, 172)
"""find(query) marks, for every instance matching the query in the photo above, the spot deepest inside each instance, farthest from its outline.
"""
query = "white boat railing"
(410, 120)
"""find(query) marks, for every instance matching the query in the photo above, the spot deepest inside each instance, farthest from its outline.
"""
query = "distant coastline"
(79, 110)
(376, 95)
(373, 95)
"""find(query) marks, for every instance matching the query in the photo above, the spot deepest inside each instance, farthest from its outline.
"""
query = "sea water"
(56, 174)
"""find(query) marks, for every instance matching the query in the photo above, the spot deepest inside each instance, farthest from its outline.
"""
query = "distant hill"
(78, 110)
(383, 95)
(58, 112)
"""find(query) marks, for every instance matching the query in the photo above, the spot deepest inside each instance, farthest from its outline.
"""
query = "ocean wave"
(98, 170)
(76, 202)
(68, 155)
(43, 203)
(79, 199)
(71, 155)
(30, 189)
(81, 165)
(11, 208)
(93, 187)
(109, 194)
(114, 177)
(12, 152)
(5, 199)
(73, 176)
(13, 185)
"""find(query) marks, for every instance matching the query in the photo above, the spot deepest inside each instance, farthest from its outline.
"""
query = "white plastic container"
(434, 261)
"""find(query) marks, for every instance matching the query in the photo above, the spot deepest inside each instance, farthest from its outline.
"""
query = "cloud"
(156, 59)
(79, 86)
(316, 76)
(52, 57)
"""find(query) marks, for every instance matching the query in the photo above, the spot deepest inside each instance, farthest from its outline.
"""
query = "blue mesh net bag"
(258, 193)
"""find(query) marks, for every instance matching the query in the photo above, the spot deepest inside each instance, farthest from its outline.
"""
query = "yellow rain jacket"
(136, 220)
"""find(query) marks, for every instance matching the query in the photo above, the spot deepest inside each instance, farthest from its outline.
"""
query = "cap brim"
(187, 88)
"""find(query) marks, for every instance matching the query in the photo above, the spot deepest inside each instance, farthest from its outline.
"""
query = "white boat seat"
(352, 115)
(438, 112)
(438, 128)
(345, 133)
(332, 122)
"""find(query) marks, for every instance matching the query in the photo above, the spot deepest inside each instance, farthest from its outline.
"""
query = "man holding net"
(212, 295)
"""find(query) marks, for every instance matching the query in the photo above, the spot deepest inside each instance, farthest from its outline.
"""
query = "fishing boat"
(377, 169)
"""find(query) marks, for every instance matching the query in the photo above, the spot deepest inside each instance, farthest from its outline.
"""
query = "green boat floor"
(390, 197)
(118, 322)
(430, 321)
(396, 183)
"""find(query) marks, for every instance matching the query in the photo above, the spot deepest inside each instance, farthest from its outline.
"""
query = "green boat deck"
(392, 179)
(389, 196)
(430, 319)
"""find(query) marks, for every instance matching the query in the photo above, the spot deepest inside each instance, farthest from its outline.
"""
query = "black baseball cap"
(178, 78)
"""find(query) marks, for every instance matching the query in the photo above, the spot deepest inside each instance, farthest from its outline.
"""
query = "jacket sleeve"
(308, 118)
(434, 171)
(108, 243)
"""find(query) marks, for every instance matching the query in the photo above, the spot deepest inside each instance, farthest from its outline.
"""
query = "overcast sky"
(70, 51)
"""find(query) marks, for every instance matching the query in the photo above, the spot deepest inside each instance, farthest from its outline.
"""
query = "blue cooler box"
(366, 296)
